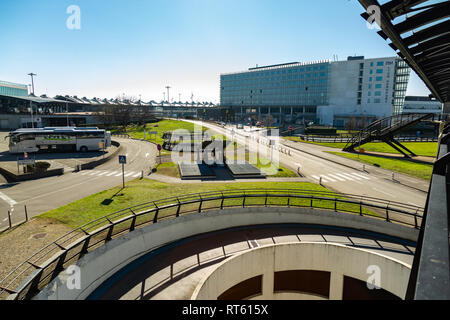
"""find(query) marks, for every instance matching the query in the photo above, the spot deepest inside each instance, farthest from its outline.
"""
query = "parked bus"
(58, 139)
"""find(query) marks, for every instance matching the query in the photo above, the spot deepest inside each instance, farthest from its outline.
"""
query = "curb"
(96, 163)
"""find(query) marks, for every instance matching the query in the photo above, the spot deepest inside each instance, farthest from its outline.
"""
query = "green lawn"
(428, 149)
(162, 126)
(168, 169)
(141, 191)
(419, 170)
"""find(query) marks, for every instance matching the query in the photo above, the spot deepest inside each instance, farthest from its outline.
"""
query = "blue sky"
(138, 47)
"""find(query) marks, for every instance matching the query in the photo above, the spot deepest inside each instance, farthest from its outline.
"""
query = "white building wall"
(344, 87)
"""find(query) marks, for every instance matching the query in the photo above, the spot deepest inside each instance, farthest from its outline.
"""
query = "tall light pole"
(168, 88)
(32, 81)
(67, 113)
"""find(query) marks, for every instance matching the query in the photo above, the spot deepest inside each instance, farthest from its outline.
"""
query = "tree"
(351, 124)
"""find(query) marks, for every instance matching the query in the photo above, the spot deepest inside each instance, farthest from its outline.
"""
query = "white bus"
(58, 139)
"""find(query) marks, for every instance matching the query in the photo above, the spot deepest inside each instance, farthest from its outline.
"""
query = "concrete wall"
(102, 263)
(339, 260)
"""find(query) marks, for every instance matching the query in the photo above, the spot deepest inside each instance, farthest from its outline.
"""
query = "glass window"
(380, 63)
(379, 71)
(379, 78)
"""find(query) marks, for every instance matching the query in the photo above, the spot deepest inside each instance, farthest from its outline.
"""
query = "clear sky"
(138, 47)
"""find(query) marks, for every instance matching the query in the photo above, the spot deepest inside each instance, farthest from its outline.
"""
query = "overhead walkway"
(386, 129)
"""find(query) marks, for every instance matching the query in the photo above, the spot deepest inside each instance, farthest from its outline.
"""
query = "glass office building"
(292, 84)
(325, 92)
(13, 89)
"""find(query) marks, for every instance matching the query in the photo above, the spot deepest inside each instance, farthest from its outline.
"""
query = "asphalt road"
(49, 193)
(335, 176)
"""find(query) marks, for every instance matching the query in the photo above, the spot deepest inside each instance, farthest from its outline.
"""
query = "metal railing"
(388, 125)
(37, 271)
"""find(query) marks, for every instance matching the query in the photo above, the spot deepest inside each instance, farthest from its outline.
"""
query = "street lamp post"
(32, 81)
(67, 113)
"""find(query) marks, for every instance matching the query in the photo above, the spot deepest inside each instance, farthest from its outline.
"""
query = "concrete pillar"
(267, 285)
(336, 286)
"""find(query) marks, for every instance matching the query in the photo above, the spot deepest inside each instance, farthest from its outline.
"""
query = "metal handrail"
(43, 266)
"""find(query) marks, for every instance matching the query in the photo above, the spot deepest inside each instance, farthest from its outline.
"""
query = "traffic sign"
(24, 162)
(290, 128)
(123, 159)
(159, 147)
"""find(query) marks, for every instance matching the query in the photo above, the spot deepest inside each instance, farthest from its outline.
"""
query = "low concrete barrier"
(100, 264)
(96, 163)
(10, 176)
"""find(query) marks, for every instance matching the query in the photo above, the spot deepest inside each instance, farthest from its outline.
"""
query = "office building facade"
(415, 104)
(324, 92)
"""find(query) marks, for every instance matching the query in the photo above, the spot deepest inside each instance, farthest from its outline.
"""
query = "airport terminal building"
(324, 92)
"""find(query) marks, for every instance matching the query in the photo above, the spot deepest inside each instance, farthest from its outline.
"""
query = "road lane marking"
(93, 173)
(348, 175)
(129, 174)
(112, 173)
(336, 177)
(359, 175)
(328, 178)
(10, 201)
(345, 177)
(103, 173)
(119, 174)
(318, 178)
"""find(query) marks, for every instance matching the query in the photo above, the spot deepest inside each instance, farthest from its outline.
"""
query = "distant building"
(414, 104)
(325, 92)
(13, 89)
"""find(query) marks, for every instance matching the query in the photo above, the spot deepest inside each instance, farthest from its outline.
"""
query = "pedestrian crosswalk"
(342, 177)
(105, 173)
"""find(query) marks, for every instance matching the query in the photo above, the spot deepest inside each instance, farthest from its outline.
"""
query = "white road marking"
(10, 201)
(93, 173)
(348, 175)
(345, 177)
(112, 173)
(318, 178)
(84, 173)
(360, 175)
(103, 173)
(328, 178)
(129, 174)
(136, 175)
(147, 154)
(336, 177)
(119, 174)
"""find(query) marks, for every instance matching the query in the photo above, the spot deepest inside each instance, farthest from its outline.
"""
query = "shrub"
(42, 166)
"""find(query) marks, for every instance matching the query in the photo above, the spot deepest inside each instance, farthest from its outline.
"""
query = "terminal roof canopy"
(420, 33)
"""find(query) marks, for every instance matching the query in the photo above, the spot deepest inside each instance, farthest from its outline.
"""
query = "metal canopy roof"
(421, 36)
